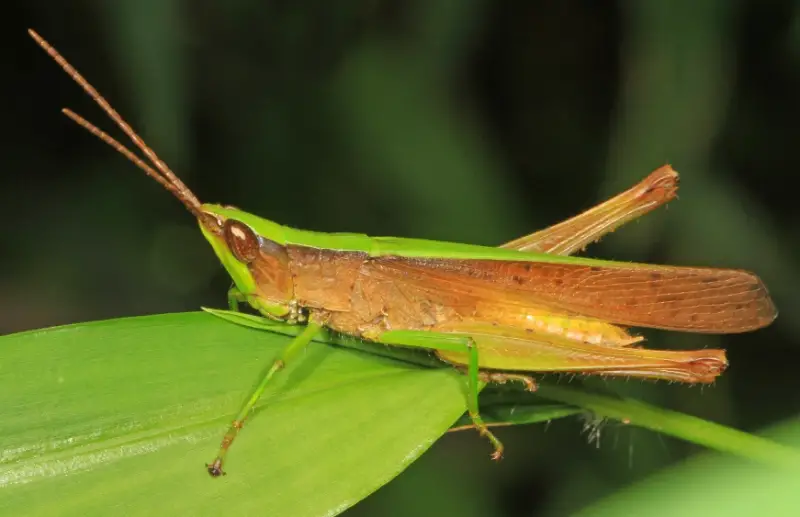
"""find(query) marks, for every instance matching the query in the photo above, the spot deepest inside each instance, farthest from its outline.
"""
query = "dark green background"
(473, 121)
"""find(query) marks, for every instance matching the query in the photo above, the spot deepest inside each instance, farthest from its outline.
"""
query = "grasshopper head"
(258, 265)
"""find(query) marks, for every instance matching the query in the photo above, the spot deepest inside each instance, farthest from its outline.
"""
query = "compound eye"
(241, 240)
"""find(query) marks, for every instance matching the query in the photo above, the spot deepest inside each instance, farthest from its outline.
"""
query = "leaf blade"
(122, 414)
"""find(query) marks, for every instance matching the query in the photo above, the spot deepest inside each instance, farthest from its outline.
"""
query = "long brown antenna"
(127, 153)
(166, 178)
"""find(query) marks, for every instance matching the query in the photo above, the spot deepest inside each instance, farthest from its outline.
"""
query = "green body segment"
(392, 246)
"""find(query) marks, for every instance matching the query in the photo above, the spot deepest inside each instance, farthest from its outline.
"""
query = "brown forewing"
(673, 298)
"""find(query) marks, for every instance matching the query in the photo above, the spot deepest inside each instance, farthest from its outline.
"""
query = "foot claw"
(530, 384)
(215, 468)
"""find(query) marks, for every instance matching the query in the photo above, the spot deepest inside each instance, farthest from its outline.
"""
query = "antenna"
(163, 174)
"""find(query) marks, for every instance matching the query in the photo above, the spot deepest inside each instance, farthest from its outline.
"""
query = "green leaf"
(120, 416)
(711, 486)
(679, 425)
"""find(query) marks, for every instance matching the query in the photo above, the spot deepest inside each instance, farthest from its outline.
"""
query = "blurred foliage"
(470, 121)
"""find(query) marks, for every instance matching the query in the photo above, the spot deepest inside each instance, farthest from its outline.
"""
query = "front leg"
(453, 343)
(235, 297)
(286, 355)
